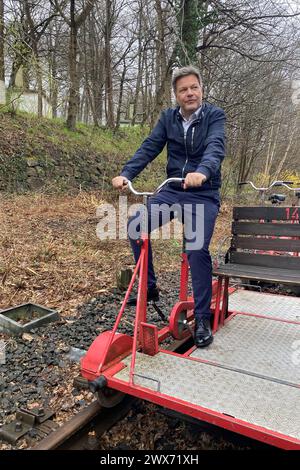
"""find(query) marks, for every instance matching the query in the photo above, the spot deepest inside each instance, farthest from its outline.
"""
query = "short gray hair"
(184, 72)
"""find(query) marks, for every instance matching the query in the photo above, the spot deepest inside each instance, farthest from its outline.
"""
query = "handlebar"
(291, 189)
(169, 180)
(275, 183)
(253, 185)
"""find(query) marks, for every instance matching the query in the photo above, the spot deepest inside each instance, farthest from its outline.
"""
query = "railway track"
(82, 431)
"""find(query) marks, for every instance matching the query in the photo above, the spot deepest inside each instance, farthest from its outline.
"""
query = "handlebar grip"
(280, 183)
(242, 182)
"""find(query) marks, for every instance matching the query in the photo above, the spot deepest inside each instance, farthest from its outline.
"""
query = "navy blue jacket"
(202, 150)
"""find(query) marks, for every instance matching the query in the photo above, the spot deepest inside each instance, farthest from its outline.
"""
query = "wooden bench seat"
(265, 246)
(245, 271)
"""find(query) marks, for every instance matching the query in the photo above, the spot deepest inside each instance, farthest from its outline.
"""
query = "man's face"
(188, 94)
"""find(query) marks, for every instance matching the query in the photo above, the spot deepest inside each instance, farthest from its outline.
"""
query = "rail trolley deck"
(247, 381)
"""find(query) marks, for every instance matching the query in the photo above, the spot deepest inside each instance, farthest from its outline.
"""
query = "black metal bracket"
(158, 310)
(38, 419)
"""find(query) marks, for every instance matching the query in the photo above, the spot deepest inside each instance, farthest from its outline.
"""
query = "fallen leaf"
(27, 337)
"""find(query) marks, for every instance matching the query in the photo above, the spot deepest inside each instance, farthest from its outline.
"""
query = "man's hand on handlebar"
(119, 182)
(193, 180)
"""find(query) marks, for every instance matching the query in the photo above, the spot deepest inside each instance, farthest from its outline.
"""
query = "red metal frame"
(204, 414)
(184, 277)
(106, 353)
(216, 418)
(100, 354)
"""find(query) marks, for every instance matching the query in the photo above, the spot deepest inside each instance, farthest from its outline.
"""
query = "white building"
(23, 100)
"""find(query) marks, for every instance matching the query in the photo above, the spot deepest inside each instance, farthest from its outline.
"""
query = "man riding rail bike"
(194, 133)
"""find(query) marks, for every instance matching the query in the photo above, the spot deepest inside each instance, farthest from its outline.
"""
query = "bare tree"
(35, 33)
(74, 21)
(109, 20)
(2, 69)
(114, 58)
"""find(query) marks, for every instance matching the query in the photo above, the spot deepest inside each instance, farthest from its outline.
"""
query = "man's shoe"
(152, 294)
(203, 334)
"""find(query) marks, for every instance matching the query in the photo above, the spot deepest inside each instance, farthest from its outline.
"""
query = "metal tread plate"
(258, 345)
(254, 400)
(273, 305)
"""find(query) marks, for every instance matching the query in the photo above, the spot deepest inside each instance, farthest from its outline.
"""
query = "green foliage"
(293, 176)
(206, 18)
(190, 32)
(153, 175)
(249, 195)
(12, 172)
(45, 153)
(285, 175)
(192, 18)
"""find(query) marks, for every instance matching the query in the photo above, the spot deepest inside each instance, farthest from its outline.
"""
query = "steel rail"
(73, 434)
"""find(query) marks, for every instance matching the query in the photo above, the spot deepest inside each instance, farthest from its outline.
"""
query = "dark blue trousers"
(199, 259)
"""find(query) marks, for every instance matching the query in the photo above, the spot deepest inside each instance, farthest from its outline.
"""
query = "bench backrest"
(266, 236)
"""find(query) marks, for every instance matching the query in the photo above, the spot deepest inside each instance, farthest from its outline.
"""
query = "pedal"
(187, 325)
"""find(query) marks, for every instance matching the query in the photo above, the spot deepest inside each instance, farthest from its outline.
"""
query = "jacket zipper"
(186, 151)
(193, 132)
(186, 155)
(185, 145)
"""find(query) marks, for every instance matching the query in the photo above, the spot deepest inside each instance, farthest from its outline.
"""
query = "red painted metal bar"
(119, 315)
(141, 306)
(189, 351)
(224, 301)
(163, 333)
(216, 418)
(184, 277)
(292, 322)
(217, 305)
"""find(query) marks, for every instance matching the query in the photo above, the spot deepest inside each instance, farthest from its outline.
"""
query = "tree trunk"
(73, 91)
(121, 96)
(165, 84)
(2, 70)
(39, 89)
(108, 72)
(161, 60)
(137, 86)
(286, 153)
(53, 80)
(188, 32)
(37, 67)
